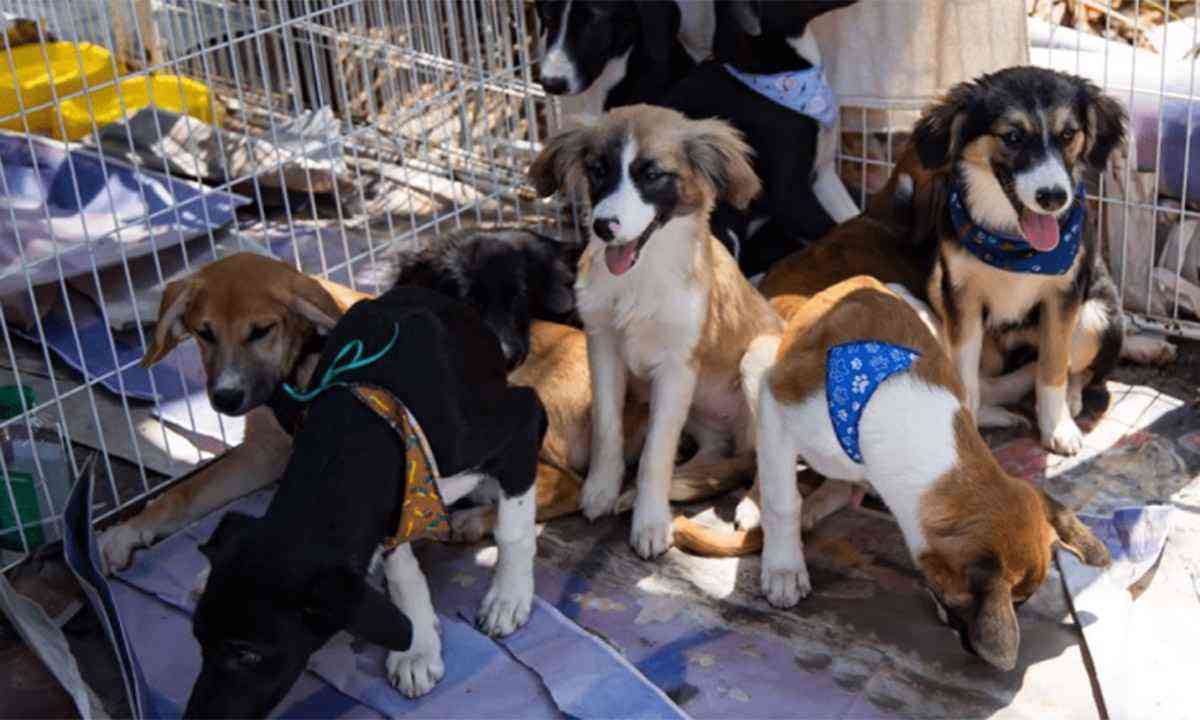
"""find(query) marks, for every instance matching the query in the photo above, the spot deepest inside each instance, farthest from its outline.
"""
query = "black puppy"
(610, 53)
(761, 51)
(282, 585)
(509, 275)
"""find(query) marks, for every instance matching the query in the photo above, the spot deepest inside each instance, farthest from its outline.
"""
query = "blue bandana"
(803, 91)
(1015, 254)
(852, 372)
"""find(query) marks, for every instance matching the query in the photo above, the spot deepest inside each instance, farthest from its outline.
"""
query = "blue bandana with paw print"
(852, 372)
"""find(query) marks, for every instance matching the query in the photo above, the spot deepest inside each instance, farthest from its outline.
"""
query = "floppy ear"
(1106, 126)
(937, 136)
(232, 526)
(995, 634)
(1074, 536)
(169, 330)
(718, 154)
(345, 600)
(313, 303)
(560, 163)
(660, 25)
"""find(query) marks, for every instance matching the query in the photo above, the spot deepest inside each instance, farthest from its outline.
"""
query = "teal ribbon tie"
(335, 369)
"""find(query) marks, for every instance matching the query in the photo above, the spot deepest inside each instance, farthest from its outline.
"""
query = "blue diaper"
(852, 372)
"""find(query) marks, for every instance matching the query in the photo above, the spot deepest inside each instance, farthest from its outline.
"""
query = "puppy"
(854, 370)
(419, 417)
(258, 323)
(766, 80)
(508, 274)
(662, 301)
(1015, 246)
(609, 54)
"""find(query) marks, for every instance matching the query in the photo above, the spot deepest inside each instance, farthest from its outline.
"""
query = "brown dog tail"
(698, 539)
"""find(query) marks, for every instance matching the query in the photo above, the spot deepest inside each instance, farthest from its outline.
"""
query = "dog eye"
(260, 332)
(248, 657)
(1067, 135)
(651, 174)
(206, 334)
(1012, 138)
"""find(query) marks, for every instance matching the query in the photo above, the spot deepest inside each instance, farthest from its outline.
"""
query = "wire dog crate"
(323, 132)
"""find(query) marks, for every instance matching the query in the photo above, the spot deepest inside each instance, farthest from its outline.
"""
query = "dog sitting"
(766, 80)
(662, 301)
(607, 54)
(1014, 247)
(853, 369)
(410, 411)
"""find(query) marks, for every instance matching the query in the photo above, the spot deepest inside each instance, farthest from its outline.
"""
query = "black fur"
(282, 585)
(509, 275)
(602, 30)
(784, 142)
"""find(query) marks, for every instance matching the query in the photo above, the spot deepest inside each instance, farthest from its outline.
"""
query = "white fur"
(624, 204)
(806, 46)
(591, 101)
(697, 22)
(968, 355)
(556, 62)
(645, 322)
(1049, 174)
(985, 200)
(900, 465)
(230, 379)
(459, 486)
(416, 670)
(508, 602)
(923, 310)
(1059, 432)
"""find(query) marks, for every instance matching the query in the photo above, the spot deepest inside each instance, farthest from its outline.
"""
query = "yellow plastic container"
(36, 84)
(171, 92)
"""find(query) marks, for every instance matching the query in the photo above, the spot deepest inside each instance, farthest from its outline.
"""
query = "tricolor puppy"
(855, 371)
(612, 53)
(662, 302)
(409, 411)
(1015, 246)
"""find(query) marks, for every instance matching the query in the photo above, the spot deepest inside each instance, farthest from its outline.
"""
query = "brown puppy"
(257, 321)
(981, 538)
(662, 301)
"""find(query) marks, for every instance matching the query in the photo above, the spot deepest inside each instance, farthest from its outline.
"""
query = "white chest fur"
(1009, 296)
(656, 309)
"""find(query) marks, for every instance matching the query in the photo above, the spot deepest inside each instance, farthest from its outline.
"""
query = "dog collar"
(1015, 254)
(852, 372)
(804, 91)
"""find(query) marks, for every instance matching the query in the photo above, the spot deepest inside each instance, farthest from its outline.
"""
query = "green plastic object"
(10, 400)
(24, 490)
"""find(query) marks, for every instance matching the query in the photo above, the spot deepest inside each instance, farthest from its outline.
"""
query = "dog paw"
(653, 532)
(993, 416)
(506, 606)
(415, 671)
(600, 492)
(117, 545)
(1146, 349)
(748, 515)
(785, 586)
(1064, 438)
(472, 525)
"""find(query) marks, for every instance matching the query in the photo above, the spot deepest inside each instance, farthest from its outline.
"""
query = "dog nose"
(227, 400)
(1051, 198)
(605, 228)
(554, 85)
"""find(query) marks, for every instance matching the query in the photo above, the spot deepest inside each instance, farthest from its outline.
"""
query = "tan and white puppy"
(663, 303)
(981, 538)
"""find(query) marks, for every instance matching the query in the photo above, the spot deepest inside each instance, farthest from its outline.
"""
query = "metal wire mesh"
(421, 115)
(346, 127)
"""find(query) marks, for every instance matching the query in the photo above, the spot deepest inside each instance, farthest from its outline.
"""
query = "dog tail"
(698, 539)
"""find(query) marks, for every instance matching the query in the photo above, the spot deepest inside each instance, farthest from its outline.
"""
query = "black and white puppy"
(510, 275)
(282, 585)
(769, 45)
(608, 53)
(1014, 247)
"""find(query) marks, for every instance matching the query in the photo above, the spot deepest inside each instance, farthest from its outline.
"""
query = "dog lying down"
(409, 411)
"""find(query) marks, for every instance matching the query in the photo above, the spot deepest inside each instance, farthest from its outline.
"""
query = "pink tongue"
(620, 258)
(1040, 229)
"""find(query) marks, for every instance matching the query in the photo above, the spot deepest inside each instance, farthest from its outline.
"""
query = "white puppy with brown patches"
(860, 389)
(664, 305)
